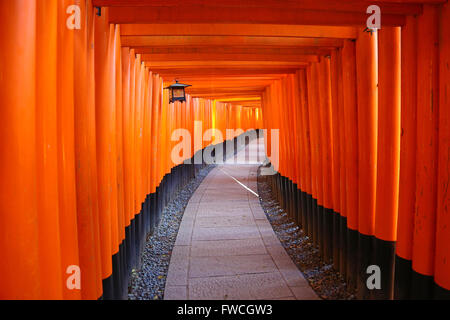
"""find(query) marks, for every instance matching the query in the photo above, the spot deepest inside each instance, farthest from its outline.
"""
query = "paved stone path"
(226, 248)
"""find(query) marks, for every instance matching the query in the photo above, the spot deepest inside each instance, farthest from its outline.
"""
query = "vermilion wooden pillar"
(292, 102)
(351, 159)
(342, 167)
(138, 136)
(66, 150)
(427, 152)
(301, 154)
(127, 155)
(138, 145)
(293, 140)
(336, 165)
(291, 174)
(119, 131)
(367, 81)
(19, 243)
(85, 159)
(304, 98)
(319, 158)
(278, 125)
(312, 104)
(327, 157)
(114, 197)
(407, 192)
(407, 182)
(104, 116)
(132, 108)
(125, 53)
(388, 160)
(46, 147)
(122, 220)
(131, 123)
(91, 94)
(154, 145)
(442, 273)
(159, 150)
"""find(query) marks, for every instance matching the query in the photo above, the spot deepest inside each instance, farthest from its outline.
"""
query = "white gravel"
(148, 283)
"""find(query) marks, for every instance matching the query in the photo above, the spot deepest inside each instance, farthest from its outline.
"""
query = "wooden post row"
(363, 163)
(363, 153)
(85, 141)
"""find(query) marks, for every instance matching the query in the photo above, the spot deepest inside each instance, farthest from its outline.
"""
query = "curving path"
(226, 247)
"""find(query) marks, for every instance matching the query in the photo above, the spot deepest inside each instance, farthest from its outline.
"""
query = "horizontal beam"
(237, 99)
(214, 29)
(224, 71)
(246, 105)
(177, 58)
(174, 65)
(221, 83)
(255, 15)
(243, 101)
(225, 89)
(164, 41)
(388, 7)
(207, 77)
(227, 92)
(227, 95)
(225, 50)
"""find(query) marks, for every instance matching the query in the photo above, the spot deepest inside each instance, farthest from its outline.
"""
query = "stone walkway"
(226, 248)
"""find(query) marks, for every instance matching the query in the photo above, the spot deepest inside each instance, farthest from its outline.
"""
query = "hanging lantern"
(176, 92)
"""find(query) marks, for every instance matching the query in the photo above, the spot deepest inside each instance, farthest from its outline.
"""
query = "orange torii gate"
(86, 132)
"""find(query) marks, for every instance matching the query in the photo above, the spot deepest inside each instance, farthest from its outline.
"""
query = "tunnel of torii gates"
(85, 132)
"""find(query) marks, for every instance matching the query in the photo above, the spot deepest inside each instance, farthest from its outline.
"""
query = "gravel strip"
(324, 280)
(148, 283)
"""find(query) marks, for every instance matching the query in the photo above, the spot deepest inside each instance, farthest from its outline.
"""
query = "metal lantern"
(176, 92)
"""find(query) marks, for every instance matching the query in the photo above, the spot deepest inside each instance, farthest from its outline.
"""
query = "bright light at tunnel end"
(220, 147)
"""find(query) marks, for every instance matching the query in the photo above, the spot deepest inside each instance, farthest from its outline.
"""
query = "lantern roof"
(178, 85)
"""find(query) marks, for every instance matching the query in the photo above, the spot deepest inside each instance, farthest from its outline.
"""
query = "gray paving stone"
(213, 198)
(304, 293)
(175, 293)
(178, 268)
(225, 233)
(223, 207)
(240, 287)
(232, 212)
(230, 265)
(224, 221)
(270, 240)
(228, 247)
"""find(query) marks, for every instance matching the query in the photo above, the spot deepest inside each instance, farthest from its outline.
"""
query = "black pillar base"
(402, 281)
(327, 235)
(320, 211)
(384, 257)
(314, 210)
(441, 293)
(364, 260)
(352, 256)
(309, 215)
(336, 240)
(108, 288)
(422, 286)
(343, 246)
